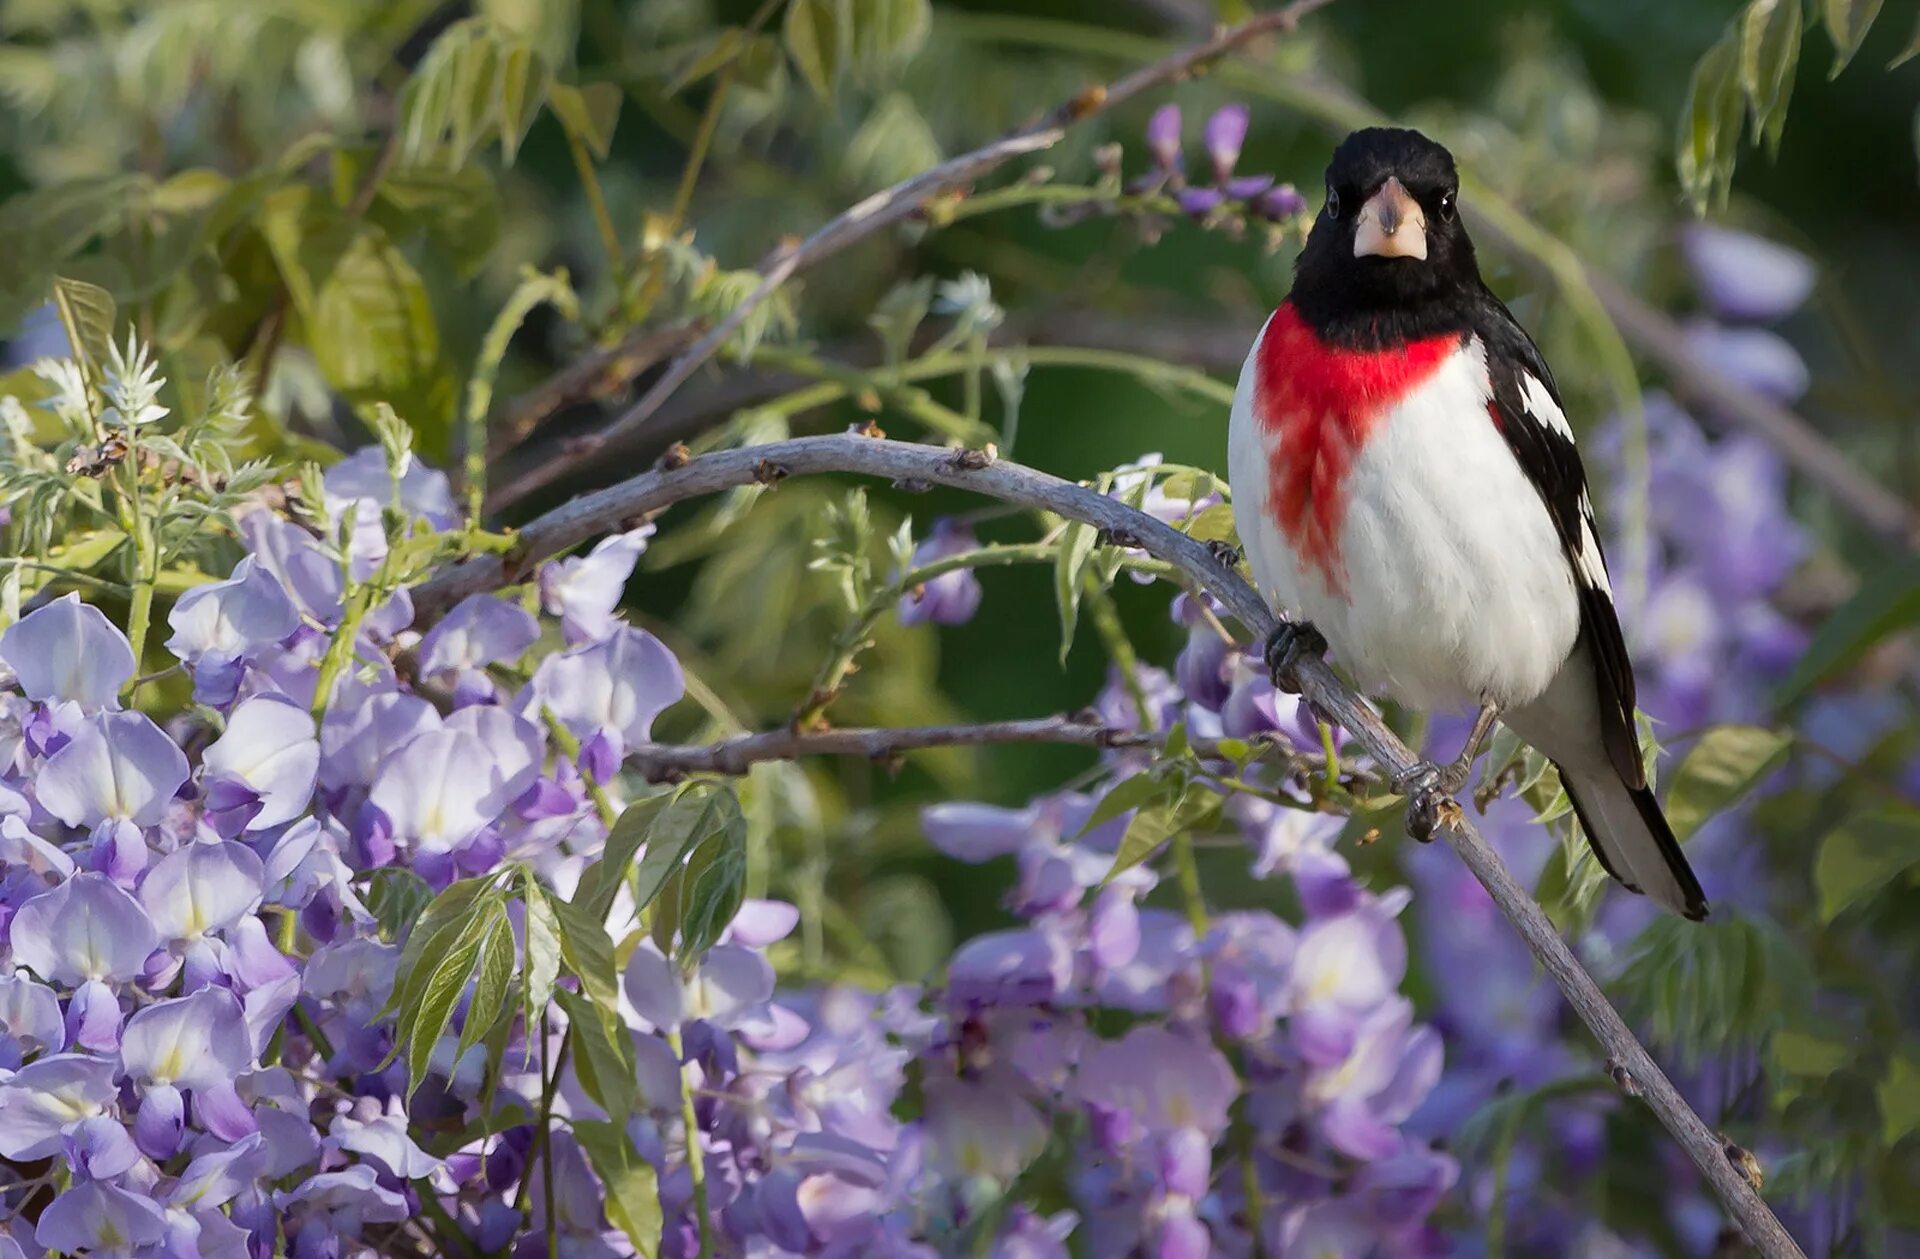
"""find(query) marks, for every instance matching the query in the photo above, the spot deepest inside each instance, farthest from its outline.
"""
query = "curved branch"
(917, 466)
(890, 205)
(664, 761)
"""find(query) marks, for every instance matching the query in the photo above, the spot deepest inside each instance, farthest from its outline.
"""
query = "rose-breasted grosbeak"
(1406, 484)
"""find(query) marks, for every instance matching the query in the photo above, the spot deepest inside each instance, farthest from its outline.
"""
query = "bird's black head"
(1388, 259)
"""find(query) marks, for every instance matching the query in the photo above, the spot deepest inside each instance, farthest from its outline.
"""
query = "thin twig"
(979, 471)
(597, 375)
(664, 761)
(890, 206)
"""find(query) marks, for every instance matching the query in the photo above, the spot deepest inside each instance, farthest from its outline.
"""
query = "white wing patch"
(1540, 403)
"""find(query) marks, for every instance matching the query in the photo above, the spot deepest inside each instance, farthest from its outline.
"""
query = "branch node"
(912, 485)
(1088, 102)
(867, 428)
(1744, 1162)
(769, 473)
(968, 460)
(1622, 1078)
(1126, 538)
(1224, 552)
(676, 457)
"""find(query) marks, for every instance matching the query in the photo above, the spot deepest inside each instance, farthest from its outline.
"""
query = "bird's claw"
(1289, 644)
(1429, 790)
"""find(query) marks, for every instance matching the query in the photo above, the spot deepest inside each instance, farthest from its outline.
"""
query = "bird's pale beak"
(1391, 225)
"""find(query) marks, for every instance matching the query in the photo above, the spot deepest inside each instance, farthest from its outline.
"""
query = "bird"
(1408, 494)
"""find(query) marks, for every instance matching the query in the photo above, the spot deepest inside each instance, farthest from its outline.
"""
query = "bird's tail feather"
(1633, 841)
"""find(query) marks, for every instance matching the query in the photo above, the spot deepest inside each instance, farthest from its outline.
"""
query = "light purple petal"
(982, 1128)
(69, 650)
(760, 923)
(87, 928)
(44, 1099)
(101, 1218)
(653, 986)
(1743, 276)
(618, 685)
(967, 831)
(1022, 967)
(202, 888)
(1224, 134)
(1163, 137)
(363, 475)
(385, 1141)
(93, 1018)
(193, 1042)
(296, 561)
(232, 618)
(516, 750)
(426, 790)
(356, 742)
(353, 1189)
(584, 590)
(30, 1012)
(118, 765)
(21, 848)
(1164, 1079)
(1755, 358)
(481, 630)
(269, 744)
(100, 1149)
(731, 986)
(213, 1180)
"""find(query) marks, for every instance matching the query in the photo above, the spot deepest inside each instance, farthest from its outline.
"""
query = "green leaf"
(1886, 602)
(816, 39)
(397, 896)
(1127, 794)
(454, 907)
(543, 948)
(600, 1058)
(1863, 856)
(457, 210)
(88, 313)
(1157, 821)
(632, 1188)
(724, 46)
(698, 813)
(478, 82)
(1909, 52)
(1721, 767)
(1709, 136)
(1213, 523)
(372, 328)
(423, 1020)
(1769, 52)
(589, 112)
(587, 952)
(702, 893)
(1069, 569)
(1708, 987)
(1848, 22)
(1570, 883)
(1804, 1054)
(888, 32)
(489, 1004)
(1899, 1098)
(600, 882)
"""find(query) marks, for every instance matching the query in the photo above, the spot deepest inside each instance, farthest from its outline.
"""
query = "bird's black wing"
(1526, 405)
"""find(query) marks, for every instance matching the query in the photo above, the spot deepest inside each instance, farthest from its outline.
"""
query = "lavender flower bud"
(1163, 137)
(1279, 203)
(1225, 132)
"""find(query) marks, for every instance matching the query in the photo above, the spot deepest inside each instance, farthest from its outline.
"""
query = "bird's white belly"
(1452, 586)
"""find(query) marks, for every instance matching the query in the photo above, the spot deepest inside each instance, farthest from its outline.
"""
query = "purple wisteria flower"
(953, 597)
(1745, 277)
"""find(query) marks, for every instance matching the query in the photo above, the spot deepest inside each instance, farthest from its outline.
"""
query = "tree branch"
(595, 376)
(889, 206)
(917, 466)
(661, 762)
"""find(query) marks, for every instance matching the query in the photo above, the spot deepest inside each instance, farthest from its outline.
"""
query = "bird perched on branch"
(1406, 487)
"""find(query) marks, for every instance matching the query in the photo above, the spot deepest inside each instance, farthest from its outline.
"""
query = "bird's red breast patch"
(1318, 404)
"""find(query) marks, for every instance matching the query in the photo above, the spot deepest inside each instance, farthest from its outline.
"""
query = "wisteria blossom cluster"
(1220, 198)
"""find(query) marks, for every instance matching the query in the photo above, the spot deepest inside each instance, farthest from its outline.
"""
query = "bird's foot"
(1289, 644)
(1429, 790)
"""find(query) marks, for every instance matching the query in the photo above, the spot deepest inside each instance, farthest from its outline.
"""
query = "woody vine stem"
(915, 466)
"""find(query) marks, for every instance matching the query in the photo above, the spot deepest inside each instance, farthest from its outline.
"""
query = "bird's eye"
(1446, 207)
(1333, 202)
